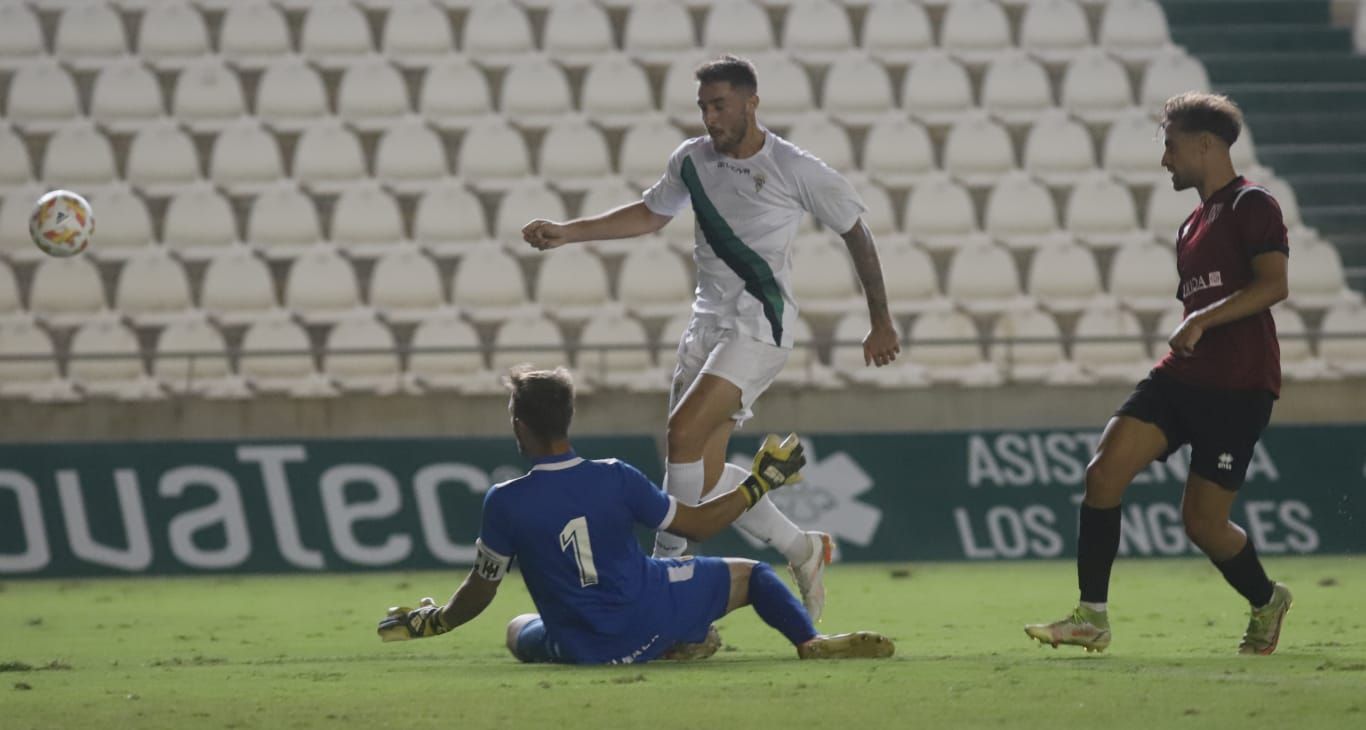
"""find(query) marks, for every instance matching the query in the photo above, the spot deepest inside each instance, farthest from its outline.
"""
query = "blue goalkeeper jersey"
(570, 524)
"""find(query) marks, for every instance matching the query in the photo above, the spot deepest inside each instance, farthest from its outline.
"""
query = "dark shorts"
(1222, 426)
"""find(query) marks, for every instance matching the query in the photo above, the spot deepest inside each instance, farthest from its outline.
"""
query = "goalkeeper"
(570, 522)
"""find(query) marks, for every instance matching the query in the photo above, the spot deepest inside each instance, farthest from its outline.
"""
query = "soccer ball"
(62, 224)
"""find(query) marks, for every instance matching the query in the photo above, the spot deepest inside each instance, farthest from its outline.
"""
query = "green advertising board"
(309, 505)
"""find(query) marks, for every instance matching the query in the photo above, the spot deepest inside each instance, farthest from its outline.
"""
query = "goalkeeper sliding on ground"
(570, 522)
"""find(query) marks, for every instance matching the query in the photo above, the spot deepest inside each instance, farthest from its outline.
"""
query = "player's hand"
(1185, 337)
(881, 345)
(405, 623)
(544, 235)
(777, 463)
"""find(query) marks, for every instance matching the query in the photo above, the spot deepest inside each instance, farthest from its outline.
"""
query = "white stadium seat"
(1026, 345)
(405, 285)
(535, 91)
(197, 221)
(1120, 355)
(937, 90)
(911, 282)
(245, 158)
(152, 288)
(290, 95)
(446, 355)
(657, 30)
(1342, 342)
(162, 159)
(125, 226)
(334, 31)
(126, 95)
(1058, 150)
(823, 138)
(1144, 278)
(1020, 213)
(1168, 209)
(283, 221)
(192, 358)
(207, 96)
(978, 151)
(41, 96)
(822, 279)
(645, 150)
(417, 33)
(897, 152)
(366, 221)
(368, 372)
(322, 285)
(939, 215)
(493, 156)
(105, 361)
(1064, 278)
(1170, 74)
(1316, 277)
(1297, 357)
(1015, 89)
(897, 31)
(1096, 87)
(1134, 29)
(488, 284)
(736, 26)
(857, 89)
(237, 287)
(372, 94)
(10, 302)
(530, 338)
(21, 37)
(616, 92)
(1101, 212)
(571, 284)
(1054, 30)
(16, 170)
(679, 98)
(78, 156)
(410, 157)
(28, 377)
(454, 94)
(277, 358)
(653, 281)
(975, 31)
(783, 84)
(253, 33)
(879, 215)
(944, 345)
(574, 155)
(448, 220)
(983, 279)
(328, 157)
(804, 368)
(496, 33)
(15, 207)
(66, 291)
(577, 32)
(817, 30)
(1132, 151)
(89, 35)
(614, 352)
(172, 34)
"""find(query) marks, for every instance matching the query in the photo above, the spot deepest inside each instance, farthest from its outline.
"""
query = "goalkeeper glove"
(776, 464)
(405, 623)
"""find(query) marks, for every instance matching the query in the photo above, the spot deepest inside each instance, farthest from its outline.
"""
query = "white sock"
(1097, 607)
(682, 480)
(764, 522)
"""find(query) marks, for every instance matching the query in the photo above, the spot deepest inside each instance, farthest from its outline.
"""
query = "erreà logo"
(826, 498)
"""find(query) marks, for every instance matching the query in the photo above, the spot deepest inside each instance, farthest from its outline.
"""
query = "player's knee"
(514, 631)
(685, 439)
(1104, 488)
(1201, 528)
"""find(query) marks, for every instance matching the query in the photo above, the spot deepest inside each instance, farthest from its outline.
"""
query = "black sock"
(1245, 573)
(1097, 546)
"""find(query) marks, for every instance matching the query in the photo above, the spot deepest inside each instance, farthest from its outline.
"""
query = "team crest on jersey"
(759, 180)
(1213, 212)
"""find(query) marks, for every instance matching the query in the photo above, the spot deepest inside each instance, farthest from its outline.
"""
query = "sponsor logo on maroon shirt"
(1214, 252)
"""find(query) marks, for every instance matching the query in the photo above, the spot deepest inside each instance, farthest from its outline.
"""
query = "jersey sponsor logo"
(737, 169)
(1199, 283)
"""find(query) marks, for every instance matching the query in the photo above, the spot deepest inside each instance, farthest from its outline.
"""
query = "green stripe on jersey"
(741, 259)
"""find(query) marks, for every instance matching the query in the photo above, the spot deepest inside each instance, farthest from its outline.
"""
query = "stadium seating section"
(319, 198)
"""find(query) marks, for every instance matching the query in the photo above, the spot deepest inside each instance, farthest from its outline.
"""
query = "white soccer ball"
(62, 224)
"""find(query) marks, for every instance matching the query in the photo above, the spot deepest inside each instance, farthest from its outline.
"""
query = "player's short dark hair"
(543, 400)
(734, 70)
(1196, 111)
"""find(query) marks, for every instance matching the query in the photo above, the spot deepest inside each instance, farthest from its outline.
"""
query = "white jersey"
(748, 213)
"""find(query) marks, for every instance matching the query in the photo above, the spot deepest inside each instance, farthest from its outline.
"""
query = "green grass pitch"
(301, 652)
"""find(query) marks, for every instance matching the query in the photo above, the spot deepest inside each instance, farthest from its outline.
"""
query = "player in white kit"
(749, 189)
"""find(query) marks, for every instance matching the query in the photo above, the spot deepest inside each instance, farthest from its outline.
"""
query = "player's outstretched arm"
(881, 346)
(1268, 286)
(635, 219)
(469, 600)
(776, 464)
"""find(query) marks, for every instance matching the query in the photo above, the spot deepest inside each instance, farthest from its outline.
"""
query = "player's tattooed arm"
(881, 345)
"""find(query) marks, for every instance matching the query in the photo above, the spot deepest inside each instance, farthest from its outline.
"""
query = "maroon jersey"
(1214, 251)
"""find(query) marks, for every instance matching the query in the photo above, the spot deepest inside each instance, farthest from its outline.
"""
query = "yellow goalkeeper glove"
(776, 464)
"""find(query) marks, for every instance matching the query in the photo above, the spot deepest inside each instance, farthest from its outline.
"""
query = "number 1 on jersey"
(575, 533)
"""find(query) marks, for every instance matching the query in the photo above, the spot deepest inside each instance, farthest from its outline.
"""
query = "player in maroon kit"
(1213, 390)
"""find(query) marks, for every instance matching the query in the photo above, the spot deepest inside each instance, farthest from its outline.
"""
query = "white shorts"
(706, 347)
